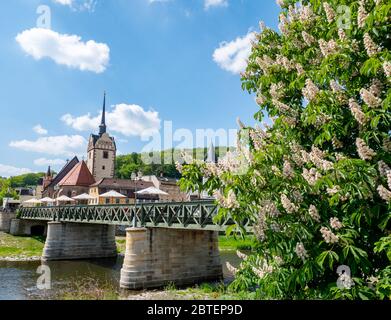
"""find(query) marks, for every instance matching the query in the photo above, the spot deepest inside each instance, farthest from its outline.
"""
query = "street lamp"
(136, 176)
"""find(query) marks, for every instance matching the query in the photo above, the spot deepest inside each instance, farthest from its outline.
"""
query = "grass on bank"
(236, 243)
(14, 247)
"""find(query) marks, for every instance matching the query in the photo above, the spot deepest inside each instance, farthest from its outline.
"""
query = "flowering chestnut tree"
(316, 183)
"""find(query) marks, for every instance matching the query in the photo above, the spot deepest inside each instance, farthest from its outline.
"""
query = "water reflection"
(18, 280)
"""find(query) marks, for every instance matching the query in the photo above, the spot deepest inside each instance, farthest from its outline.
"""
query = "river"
(18, 280)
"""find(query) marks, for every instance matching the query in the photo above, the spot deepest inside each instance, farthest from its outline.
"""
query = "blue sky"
(158, 61)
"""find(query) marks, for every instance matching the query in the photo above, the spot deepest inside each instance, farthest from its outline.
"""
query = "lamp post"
(136, 177)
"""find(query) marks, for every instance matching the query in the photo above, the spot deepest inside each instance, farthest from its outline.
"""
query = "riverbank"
(13, 248)
(20, 248)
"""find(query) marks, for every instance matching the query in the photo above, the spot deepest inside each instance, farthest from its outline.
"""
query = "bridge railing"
(189, 215)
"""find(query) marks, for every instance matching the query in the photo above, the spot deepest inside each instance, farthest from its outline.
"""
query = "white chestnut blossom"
(311, 176)
(370, 45)
(301, 252)
(228, 202)
(282, 107)
(284, 62)
(263, 269)
(383, 168)
(387, 144)
(370, 99)
(308, 39)
(264, 63)
(328, 235)
(260, 99)
(241, 255)
(357, 113)
(317, 156)
(310, 91)
(365, 152)
(341, 35)
(335, 223)
(277, 90)
(288, 170)
(361, 15)
(269, 209)
(306, 15)
(387, 68)
(376, 87)
(299, 69)
(288, 205)
(296, 156)
(334, 190)
(328, 47)
(284, 22)
(384, 193)
(232, 269)
(335, 87)
(314, 213)
(330, 13)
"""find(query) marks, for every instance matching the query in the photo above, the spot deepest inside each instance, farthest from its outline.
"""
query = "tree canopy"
(316, 182)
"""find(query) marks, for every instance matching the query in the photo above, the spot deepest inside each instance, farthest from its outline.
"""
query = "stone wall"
(5, 221)
(157, 257)
(71, 241)
(21, 227)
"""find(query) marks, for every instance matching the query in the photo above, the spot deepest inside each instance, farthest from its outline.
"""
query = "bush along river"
(92, 279)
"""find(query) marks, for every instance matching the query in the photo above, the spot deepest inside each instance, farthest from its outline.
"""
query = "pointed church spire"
(49, 172)
(102, 127)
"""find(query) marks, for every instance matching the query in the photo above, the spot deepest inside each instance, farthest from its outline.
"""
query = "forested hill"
(164, 162)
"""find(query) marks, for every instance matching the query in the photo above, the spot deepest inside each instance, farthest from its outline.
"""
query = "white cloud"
(129, 120)
(40, 130)
(68, 50)
(215, 3)
(43, 162)
(56, 145)
(9, 171)
(64, 2)
(232, 56)
(79, 5)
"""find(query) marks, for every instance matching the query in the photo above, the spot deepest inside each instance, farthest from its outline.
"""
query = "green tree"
(6, 190)
(316, 183)
(26, 180)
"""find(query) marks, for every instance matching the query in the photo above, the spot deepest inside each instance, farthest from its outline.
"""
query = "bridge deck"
(178, 215)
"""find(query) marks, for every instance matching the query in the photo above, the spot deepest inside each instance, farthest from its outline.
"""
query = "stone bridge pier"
(156, 257)
(72, 241)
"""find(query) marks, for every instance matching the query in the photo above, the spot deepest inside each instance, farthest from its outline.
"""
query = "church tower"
(47, 179)
(101, 151)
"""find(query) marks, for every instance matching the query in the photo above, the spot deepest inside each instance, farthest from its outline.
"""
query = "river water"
(18, 280)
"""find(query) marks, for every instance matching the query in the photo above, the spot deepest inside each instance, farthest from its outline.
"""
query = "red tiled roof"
(78, 176)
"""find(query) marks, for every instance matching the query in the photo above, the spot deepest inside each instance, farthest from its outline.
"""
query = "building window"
(105, 155)
(117, 201)
(104, 168)
(107, 201)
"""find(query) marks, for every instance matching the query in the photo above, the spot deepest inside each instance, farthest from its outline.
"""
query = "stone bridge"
(165, 242)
